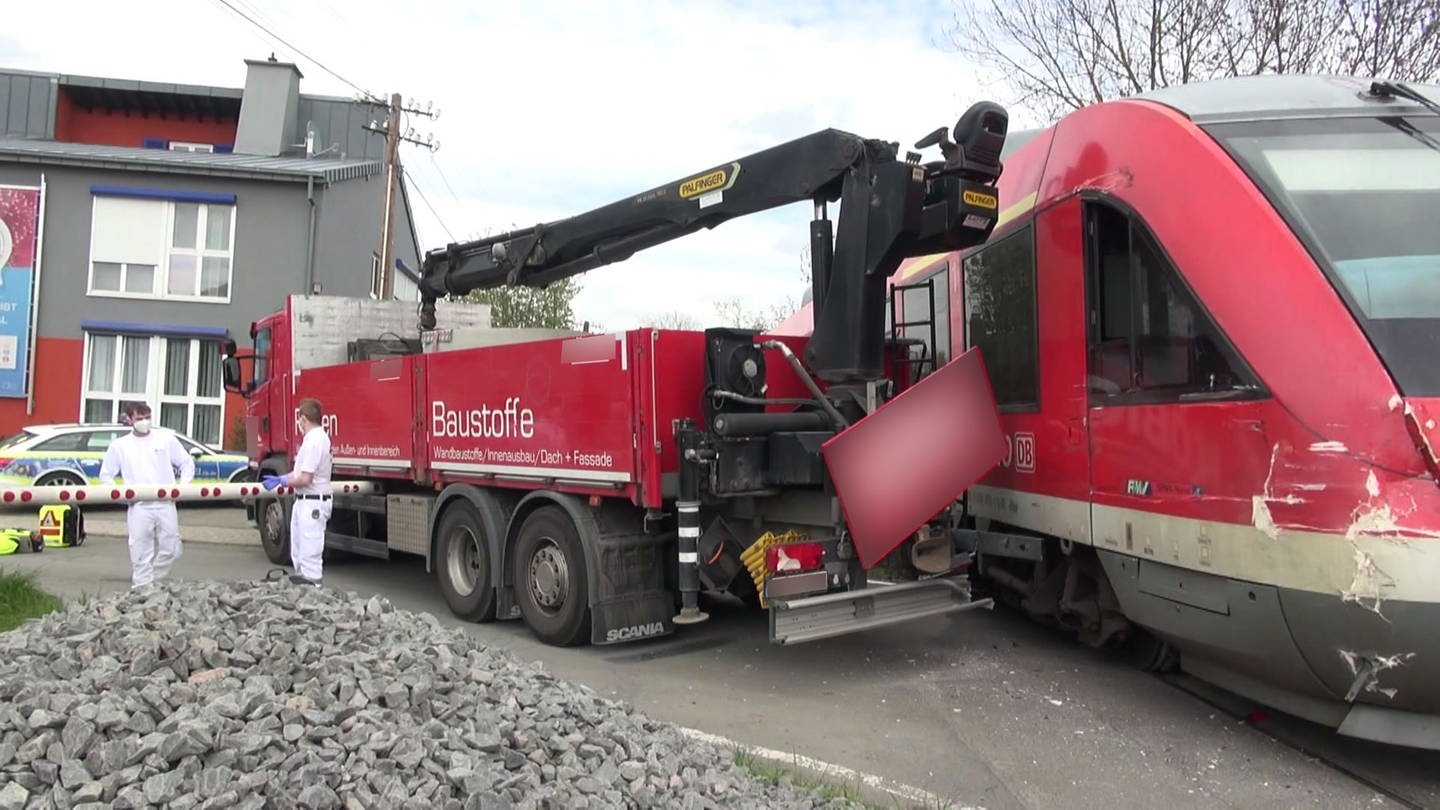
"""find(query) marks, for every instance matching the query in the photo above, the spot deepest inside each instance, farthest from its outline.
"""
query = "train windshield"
(1364, 194)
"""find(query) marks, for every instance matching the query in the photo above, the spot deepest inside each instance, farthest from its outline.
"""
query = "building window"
(1000, 316)
(178, 376)
(185, 146)
(157, 248)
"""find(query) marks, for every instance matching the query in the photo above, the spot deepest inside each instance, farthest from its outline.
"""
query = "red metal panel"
(901, 465)
(536, 409)
(674, 379)
(58, 383)
(368, 413)
(1167, 458)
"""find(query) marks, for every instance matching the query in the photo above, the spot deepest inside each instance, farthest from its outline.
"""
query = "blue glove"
(272, 481)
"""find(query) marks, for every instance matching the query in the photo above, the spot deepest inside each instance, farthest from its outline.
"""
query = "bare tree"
(550, 307)
(1061, 55)
(731, 312)
(674, 319)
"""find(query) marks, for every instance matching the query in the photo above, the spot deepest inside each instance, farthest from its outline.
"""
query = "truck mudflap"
(810, 618)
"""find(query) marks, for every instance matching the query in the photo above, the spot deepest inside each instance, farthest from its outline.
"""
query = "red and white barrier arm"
(100, 494)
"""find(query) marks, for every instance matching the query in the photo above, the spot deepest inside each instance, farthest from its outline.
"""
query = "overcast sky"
(549, 109)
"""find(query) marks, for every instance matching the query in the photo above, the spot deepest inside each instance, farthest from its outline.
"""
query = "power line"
(426, 200)
(366, 93)
(443, 178)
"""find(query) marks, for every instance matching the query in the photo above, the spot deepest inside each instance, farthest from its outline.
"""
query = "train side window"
(1000, 316)
(1150, 338)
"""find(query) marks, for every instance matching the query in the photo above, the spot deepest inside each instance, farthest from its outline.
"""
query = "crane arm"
(890, 209)
(799, 170)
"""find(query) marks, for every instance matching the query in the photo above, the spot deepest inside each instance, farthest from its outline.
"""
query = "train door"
(1021, 312)
(1177, 440)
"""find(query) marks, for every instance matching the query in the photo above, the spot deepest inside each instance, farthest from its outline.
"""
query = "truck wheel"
(462, 563)
(551, 583)
(275, 530)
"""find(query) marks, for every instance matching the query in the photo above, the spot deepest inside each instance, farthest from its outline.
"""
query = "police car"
(70, 455)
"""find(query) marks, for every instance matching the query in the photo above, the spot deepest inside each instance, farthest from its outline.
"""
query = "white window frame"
(160, 284)
(189, 146)
(154, 392)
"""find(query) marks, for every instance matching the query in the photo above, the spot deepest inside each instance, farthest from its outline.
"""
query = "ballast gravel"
(273, 695)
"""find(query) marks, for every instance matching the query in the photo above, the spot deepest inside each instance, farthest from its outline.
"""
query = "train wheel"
(551, 583)
(1149, 652)
(463, 564)
(275, 530)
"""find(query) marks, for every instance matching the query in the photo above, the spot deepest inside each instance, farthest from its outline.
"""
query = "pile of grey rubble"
(266, 694)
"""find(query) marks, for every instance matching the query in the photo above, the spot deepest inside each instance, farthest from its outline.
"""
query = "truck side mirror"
(230, 371)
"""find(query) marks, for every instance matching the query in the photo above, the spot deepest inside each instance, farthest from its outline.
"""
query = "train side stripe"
(1369, 568)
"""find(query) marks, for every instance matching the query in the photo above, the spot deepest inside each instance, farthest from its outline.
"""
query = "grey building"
(173, 216)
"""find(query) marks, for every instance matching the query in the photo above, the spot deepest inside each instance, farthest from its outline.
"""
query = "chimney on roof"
(269, 108)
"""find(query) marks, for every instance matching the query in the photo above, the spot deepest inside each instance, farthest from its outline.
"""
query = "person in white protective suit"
(313, 495)
(147, 457)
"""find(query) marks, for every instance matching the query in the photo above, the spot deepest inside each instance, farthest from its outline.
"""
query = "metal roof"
(1248, 98)
(253, 167)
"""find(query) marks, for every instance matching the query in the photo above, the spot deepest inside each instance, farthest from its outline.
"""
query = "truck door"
(272, 389)
(1176, 434)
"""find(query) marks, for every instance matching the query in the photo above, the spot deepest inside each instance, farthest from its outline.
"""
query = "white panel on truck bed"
(445, 340)
(323, 326)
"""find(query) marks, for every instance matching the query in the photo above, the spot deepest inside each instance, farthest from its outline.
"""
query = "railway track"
(1404, 777)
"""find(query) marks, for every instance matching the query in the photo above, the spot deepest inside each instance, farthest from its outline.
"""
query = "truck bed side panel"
(545, 410)
(368, 414)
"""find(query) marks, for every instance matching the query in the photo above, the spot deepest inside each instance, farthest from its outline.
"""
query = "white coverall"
(311, 510)
(142, 461)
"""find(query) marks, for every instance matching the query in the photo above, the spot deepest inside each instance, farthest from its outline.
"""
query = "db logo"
(1020, 452)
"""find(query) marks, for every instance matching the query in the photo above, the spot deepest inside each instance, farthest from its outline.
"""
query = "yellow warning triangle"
(48, 519)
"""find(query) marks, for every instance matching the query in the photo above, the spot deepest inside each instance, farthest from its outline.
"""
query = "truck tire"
(274, 521)
(552, 586)
(462, 562)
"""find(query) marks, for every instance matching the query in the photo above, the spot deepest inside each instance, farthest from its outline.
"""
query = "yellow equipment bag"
(62, 525)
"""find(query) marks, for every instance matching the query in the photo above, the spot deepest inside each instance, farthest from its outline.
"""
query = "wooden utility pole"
(387, 228)
(383, 286)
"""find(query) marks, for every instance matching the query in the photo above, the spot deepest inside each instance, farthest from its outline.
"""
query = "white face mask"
(142, 425)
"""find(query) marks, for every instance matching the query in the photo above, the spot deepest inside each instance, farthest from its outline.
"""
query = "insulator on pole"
(23, 496)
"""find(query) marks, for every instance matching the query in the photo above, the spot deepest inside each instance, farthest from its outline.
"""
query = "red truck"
(593, 485)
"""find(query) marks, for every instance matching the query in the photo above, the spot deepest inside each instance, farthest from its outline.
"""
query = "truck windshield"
(1364, 194)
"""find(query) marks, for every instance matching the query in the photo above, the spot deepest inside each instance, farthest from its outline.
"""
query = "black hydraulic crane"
(890, 209)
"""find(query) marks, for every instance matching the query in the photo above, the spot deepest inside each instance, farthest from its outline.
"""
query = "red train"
(1211, 317)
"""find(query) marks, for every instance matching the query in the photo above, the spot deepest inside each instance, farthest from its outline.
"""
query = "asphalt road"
(983, 709)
